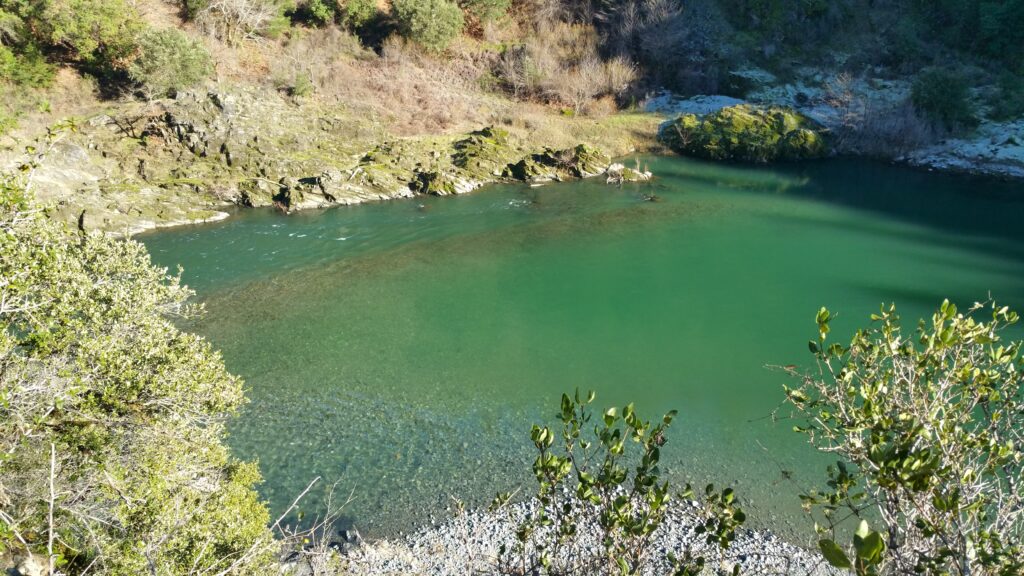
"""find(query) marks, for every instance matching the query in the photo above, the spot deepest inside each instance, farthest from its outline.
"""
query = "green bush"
(95, 32)
(357, 14)
(169, 60)
(929, 426)
(589, 482)
(111, 419)
(27, 69)
(485, 10)
(943, 97)
(432, 24)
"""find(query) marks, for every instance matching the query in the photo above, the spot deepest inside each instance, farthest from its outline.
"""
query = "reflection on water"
(405, 347)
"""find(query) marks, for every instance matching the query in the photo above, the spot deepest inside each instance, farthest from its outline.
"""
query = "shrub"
(432, 24)
(356, 14)
(235, 20)
(930, 430)
(317, 12)
(169, 60)
(27, 69)
(1008, 101)
(943, 97)
(111, 419)
(96, 32)
(584, 484)
(485, 10)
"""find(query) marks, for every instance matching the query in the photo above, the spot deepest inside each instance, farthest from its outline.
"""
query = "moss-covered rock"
(484, 153)
(581, 161)
(746, 133)
(434, 183)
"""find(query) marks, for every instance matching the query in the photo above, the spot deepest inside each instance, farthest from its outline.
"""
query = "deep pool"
(404, 348)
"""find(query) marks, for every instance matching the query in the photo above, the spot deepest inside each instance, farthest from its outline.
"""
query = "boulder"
(746, 133)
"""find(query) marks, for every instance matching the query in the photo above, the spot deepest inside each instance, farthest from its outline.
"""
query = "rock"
(747, 133)
(32, 565)
(484, 153)
(434, 183)
(740, 83)
(619, 173)
(581, 161)
(257, 192)
(289, 195)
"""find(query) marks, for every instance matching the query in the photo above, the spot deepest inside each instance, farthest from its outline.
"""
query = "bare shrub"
(876, 128)
(579, 84)
(678, 44)
(406, 88)
(561, 64)
(235, 20)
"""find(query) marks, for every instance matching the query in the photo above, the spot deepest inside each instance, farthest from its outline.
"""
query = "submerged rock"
(746, 133)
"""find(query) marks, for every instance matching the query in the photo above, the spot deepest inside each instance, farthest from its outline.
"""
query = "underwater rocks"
(746, 133)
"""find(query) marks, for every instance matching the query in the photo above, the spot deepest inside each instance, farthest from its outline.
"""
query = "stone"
(746, 133)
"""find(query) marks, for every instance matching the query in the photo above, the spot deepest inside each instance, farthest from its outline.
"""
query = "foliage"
(26, 69)
(943, 96)
(746, 133)
(930, 429)
(111, 419)
(95, 32)
(356, 14)
(485, 10)
(584, 484)
(1008, 101)
(169, 60)
(432, 24)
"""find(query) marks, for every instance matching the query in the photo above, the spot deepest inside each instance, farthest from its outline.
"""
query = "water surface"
(404, 348)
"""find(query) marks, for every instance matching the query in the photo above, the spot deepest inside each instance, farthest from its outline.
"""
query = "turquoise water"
(403, 349)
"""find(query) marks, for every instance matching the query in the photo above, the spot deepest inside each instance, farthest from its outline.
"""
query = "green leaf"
(870, 548)
(834, 554)
(609, 417)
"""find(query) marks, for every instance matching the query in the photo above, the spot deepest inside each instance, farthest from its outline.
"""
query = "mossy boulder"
(434, 183)
(581, 161)
(746, 133)
(484, 153)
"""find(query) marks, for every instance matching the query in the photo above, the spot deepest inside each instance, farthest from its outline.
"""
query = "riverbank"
(139, 166)
(472, 543)
(869, 117)
(136, 166)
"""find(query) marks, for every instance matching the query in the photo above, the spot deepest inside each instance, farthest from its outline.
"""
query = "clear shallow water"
(405, 348)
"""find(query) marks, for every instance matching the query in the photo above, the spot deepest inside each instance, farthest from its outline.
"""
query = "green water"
(404, 348)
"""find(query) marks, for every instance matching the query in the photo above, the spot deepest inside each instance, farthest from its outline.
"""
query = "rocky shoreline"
(471, 543)
(185, 160)
(835, 102)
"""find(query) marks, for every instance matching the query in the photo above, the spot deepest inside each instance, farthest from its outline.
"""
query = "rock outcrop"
(185, 160)
(746, 133)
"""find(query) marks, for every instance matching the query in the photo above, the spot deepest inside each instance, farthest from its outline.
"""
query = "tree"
(168, 60)
(432, 24)
(95, 32)
(111, 419)
(929, 428)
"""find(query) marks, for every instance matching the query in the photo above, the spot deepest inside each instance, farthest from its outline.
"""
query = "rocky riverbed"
(472, 543)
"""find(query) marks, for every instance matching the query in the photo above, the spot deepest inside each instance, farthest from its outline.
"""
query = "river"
(402, 349)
